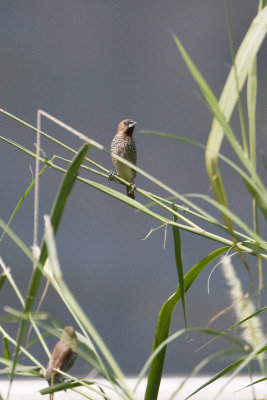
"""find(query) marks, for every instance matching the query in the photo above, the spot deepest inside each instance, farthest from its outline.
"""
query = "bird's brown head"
(126, 126)
(68, 334)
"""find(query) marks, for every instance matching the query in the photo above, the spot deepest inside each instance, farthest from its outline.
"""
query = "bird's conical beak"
(132, 123)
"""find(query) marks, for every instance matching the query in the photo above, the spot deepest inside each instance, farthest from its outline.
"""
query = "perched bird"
(63, 356)
(123, 145)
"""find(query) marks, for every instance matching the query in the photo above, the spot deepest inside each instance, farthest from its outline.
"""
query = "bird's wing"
(60, 358)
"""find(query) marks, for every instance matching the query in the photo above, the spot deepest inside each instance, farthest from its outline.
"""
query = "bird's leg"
(132, 188)
(111, 175)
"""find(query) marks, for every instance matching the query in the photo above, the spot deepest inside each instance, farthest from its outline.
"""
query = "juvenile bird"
(63, 357)
(123, 145)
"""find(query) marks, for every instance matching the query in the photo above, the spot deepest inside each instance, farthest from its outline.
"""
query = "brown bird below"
(63, 357)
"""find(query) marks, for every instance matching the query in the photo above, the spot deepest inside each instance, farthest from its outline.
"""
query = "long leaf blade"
(162, 330)
(179, 262)
(56, 214)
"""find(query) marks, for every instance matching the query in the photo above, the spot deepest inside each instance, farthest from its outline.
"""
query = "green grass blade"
(11, 280)
(56, 214)
(21, 369)
(174, 137)
(101, 187)
(175, 335)
(66, 186)
(179, 262)
(196, 370)
(258, 193)
(6, 348)
(239, 100)
(243, 61)
(22, 148)
(223, 372)
(254, 236)
(77, 383)
(255, 382)
(3, 278)
(259, 197)
(63, 386)
(21, 201)
(203, 233)
(254, 190)
(23, 350)
(244, 362)
(163, 325)
(259, 241)
(137, 204)
(223, 110)
(252, 84)
(20, 121)
(16, 240)
(79, 314)
(236, 366)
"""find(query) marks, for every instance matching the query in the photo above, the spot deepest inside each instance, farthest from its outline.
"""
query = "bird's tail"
(130, 192)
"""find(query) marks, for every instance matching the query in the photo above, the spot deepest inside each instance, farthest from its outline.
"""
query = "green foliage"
(164, 321)
(235, 233)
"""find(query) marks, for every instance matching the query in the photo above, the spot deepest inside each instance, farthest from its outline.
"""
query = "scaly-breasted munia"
(63, 356)
(123, 145)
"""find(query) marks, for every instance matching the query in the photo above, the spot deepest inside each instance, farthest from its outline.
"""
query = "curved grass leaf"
(80, 316)
(236, 366)
(239, 101)
(56, 214)
(133, 203)
(21, 369)
(254, 236)
(179, 262)
(252, 187)
(252, 85)
(223, 372)
(163, 325)
(260, 198)
(175, 335)
(73, 384)
(243, 61)
(63, 386)
(21, 201)
(201, 365)
(23, 350)
(138, 205)
(244, 362)
(255, 382)
(3, 278)
(223, 109)
(235, 326)
(6, 348)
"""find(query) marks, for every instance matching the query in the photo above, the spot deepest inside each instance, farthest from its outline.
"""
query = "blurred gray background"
(92, 63)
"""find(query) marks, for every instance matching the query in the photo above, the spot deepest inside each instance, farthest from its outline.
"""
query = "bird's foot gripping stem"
(111, 175)
(133, 187)
(130, 191)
